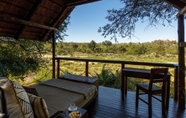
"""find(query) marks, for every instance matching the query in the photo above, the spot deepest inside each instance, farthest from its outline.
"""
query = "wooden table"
(143, 74)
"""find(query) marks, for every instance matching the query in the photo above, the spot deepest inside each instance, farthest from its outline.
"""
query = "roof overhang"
(34, 19)
(179, 4)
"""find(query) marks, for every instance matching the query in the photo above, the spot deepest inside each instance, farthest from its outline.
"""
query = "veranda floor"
(110, 105)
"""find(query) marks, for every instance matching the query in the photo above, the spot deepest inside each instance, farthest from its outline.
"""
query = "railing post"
(53, 54)
(176, 83)
(122, 76)
(58, 67)
(86, 68)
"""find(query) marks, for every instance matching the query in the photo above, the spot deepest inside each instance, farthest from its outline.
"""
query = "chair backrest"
(158, 75)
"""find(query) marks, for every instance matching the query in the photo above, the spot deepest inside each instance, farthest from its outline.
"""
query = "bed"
(59, 93)
(46, 98)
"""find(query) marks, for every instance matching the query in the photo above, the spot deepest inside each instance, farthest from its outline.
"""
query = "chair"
(158, 75)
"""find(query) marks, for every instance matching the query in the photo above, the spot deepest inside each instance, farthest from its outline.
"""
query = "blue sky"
(86, 20)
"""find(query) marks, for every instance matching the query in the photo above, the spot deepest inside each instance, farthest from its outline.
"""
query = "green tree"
(19, 57)
(92, 45)
(74, 46)
(112, 49)
(159, 47)
(98, 50)
(121, 49)
(60, 33)
(107, 43)
(123, 20)
(172, 48)
(141, 49)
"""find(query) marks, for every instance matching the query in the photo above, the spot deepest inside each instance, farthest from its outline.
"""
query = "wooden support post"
(181, 62)
(53, 54)
(86, 68)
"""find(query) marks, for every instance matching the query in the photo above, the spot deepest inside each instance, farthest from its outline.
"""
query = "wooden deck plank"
(110, 105)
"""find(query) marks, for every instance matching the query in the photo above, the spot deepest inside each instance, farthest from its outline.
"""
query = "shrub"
(109, 79)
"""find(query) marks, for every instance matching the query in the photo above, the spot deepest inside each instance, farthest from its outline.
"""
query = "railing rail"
(123, 63)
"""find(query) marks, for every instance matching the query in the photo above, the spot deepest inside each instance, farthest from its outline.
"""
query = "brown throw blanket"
(77, 87)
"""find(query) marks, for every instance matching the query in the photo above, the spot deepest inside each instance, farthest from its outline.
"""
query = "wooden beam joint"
(182, 12)
(182, 44)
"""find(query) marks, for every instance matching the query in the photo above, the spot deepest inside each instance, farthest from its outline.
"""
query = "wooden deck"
(110, 105)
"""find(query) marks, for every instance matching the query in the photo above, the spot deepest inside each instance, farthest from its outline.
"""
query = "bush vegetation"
(110, 74)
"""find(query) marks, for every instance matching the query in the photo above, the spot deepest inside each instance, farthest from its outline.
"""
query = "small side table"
(65, 114)
(84, 113)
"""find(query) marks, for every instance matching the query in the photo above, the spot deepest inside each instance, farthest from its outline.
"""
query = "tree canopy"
(123, 21)
(158, 47)
(18, 57)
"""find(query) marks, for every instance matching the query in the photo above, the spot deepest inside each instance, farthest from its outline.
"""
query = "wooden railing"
(123, 63)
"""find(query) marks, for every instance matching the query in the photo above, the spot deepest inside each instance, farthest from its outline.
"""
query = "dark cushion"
(31, 90)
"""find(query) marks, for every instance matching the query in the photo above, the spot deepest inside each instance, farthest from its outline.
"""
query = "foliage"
(109, 79)
(121, 49)
(42, 75)
(92, 45)
(157, 47)
(75, 46)
(60, 34)
(107, 43)
(19, 57)
(123, 20)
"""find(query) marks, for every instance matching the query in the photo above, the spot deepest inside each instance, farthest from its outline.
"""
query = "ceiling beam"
(176, 3)
(73, 2)
(79, 2)
(28, 17)
(23, 22)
